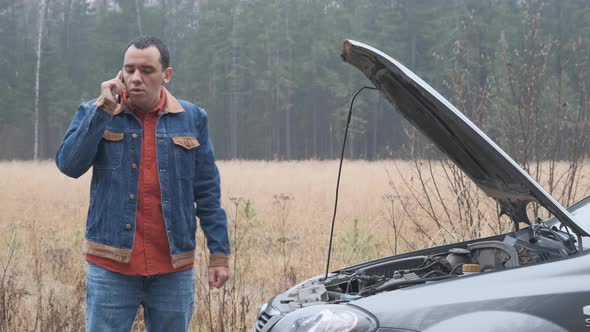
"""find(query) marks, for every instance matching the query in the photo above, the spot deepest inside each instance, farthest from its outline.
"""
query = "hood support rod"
(339, 173)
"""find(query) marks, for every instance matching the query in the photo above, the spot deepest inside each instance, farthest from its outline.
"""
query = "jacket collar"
(172, 105)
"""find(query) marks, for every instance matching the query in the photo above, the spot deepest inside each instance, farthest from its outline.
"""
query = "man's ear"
(167, 74)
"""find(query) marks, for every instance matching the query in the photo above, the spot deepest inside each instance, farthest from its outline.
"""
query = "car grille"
(263, 318)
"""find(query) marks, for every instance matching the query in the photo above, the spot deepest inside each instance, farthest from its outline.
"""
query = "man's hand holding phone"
(110, 94)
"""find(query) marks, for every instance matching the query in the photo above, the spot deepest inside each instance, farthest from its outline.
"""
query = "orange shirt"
(151, 251)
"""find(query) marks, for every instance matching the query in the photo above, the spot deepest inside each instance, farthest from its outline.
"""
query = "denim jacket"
(111, 144)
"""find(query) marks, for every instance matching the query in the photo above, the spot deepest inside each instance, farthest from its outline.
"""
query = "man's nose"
(136, 77)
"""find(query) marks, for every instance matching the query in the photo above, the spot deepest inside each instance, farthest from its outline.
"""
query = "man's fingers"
(222, 276)
(221, 281)
(119, 86)
(218, 276)
(118, 83)
(211, 278)
(110, 87)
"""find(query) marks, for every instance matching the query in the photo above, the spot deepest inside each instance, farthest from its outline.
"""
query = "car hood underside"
(455, 135)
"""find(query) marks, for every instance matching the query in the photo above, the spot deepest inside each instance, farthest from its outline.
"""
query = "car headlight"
(327, 318)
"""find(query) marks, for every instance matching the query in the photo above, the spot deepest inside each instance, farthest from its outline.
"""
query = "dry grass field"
(279, 216)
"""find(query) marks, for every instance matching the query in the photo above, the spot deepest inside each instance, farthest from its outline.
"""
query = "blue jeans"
(112, 300)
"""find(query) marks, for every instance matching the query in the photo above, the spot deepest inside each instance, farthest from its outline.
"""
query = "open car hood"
(454, 134)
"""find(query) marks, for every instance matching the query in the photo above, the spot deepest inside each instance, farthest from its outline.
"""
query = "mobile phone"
(119, 95)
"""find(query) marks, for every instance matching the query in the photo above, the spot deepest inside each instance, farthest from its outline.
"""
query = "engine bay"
(537, 244)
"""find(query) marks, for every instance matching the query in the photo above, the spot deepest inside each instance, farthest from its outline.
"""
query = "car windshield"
(580, 213)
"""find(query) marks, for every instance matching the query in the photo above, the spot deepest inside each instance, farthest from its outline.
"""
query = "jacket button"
(127, 226)
(131, 196)
(134, 165)
(134, 135)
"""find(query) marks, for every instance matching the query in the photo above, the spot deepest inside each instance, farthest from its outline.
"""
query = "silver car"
(534, 279)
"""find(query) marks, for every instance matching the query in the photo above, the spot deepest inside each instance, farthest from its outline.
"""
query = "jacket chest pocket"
(184, 153)
(110, 150)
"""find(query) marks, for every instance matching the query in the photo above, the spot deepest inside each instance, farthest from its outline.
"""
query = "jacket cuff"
(108, 105)
(218, 260)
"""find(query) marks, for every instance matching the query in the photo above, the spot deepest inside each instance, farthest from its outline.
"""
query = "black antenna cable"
(340, 172)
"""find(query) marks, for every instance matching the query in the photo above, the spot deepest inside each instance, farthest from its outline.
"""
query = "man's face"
(144, 76)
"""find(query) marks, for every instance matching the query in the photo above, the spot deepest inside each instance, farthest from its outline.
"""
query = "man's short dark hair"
(147, 41)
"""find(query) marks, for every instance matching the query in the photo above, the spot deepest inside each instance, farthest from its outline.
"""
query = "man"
(152, 161)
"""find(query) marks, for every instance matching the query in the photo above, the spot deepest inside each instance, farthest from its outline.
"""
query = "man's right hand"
(115, 85)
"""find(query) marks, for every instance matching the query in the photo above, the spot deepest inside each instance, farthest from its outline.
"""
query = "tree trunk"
(275, 79)
(314, 125)
(138, 15)
(42, 14)
(288, 104)
(376, 111)
(67, 24)
(331, 141)
(268, 98)
(234, 84)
